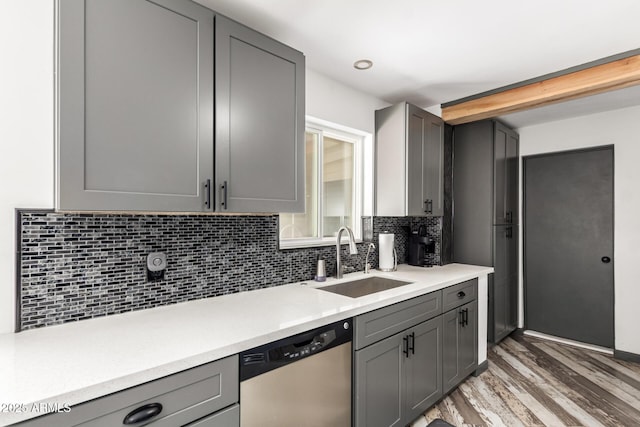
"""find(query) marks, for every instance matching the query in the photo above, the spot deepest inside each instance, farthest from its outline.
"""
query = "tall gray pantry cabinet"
(150, 118)
(485, 219)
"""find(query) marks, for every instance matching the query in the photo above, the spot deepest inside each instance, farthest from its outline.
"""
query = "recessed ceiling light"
(362, 64)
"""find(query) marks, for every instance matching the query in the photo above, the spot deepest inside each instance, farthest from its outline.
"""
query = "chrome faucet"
(352, 249)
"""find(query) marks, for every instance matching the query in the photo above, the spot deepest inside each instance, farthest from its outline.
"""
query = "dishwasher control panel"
(288, 350)
(302, 349)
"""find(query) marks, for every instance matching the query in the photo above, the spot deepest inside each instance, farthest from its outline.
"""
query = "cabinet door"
(468, 339)
(503, 291)
(511, 292)
(425, 160)
(135, 105)
(229, 417)
(417, 133)
(423, 371)
(379, 384)
(501, 135)
(433, 164)
(511, 178)
(460, 344)
(259, 122)
(506, 166)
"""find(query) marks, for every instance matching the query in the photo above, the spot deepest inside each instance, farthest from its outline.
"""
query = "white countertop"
(76, 362)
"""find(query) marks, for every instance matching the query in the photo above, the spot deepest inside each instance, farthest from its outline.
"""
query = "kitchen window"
(336, 178)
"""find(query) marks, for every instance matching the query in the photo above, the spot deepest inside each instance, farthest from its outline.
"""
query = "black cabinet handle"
(405, 346)
(509, 217)
(143, 413)
(428, 206)
(461, 295)
(412, 342)
(223, 188)
(606, 259)
(509, 232)
(207, 194)
(464, 317)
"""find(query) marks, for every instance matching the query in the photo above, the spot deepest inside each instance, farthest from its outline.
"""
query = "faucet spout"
(352, 249)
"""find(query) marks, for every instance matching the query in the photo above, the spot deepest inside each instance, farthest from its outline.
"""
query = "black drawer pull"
(461, 294)
(143, 413)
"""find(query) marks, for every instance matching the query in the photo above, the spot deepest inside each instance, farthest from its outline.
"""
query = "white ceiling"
(433, 51)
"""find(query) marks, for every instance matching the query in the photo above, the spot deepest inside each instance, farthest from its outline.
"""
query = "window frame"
(360, 140)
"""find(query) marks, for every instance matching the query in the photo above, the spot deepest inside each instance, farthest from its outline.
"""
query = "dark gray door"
(568, 245)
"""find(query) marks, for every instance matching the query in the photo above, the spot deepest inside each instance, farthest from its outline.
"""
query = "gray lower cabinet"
(137, 106)
(398, 378)
(409, 162)
(408, 355)
(260, 122)
(204, 396)
(460, 344)
(229, 417)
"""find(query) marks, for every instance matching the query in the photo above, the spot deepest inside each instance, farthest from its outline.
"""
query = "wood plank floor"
(531, 382)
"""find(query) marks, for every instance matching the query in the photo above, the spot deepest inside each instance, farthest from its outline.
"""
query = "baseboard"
(629, 357)
(566, 341)
(481, 368)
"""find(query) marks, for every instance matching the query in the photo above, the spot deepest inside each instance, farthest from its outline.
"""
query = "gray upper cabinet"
(137, 108)
(260, 122)
(409, 162)
(135, 105)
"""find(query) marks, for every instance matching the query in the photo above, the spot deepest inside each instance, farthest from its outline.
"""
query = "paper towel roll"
(386, 244)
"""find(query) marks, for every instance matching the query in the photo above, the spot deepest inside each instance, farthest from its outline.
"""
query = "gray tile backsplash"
(80, 266)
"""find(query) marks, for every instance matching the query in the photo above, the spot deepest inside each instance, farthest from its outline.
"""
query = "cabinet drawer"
(230, 417)
(379, 324)
(456, 295)
(185, 397)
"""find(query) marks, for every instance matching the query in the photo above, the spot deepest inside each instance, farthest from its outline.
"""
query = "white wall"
(330, 100)
(622, 129)
(26, 128)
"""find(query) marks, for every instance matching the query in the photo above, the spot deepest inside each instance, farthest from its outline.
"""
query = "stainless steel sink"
(362, 287)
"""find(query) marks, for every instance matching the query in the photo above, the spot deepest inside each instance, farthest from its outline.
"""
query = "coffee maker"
(419, 246)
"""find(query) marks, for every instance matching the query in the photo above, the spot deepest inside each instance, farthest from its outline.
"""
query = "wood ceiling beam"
(590, 81)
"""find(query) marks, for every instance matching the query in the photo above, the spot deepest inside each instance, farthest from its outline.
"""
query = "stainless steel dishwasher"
(300, 381)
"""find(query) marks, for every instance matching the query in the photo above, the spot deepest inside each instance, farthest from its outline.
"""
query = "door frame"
(524, 223)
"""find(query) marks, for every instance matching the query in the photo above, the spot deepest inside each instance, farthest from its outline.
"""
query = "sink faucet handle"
(367, 265)
(395, 260)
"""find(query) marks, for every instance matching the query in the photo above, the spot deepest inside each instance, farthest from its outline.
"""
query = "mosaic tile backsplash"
(80, 266)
